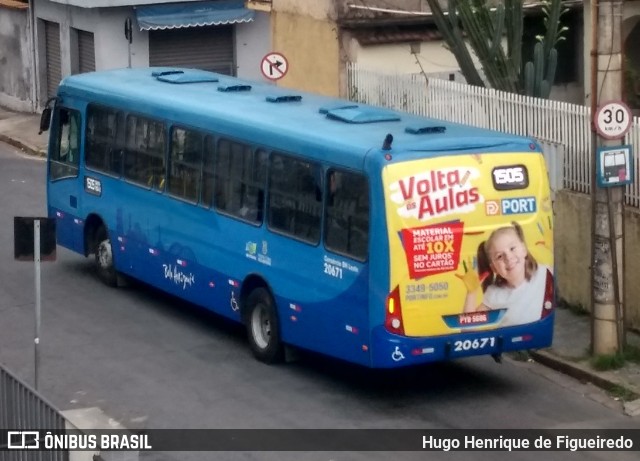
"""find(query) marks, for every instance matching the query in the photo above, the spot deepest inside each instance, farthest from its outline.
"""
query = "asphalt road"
(151, 361)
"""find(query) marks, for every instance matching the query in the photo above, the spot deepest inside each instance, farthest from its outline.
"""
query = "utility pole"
(607, 263)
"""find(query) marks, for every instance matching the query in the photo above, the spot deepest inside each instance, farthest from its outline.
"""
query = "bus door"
(467, 233)
(64, 186)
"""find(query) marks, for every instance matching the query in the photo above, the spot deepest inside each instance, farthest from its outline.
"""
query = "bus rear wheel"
(104, 258)
(263, 327)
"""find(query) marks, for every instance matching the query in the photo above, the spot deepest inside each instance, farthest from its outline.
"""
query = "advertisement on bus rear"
(471, 241)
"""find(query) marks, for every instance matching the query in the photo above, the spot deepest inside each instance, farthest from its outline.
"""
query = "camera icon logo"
(23, 440)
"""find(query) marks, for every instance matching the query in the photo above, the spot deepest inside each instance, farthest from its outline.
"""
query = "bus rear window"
(347, 214)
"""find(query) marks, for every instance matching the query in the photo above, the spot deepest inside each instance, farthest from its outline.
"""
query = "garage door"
(208, 48)
(52, 56)
(86, 52)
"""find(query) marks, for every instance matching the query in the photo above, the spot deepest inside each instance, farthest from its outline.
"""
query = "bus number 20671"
(332, 270)
(473, 344)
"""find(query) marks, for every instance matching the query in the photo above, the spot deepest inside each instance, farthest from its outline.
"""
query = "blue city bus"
(371, 235)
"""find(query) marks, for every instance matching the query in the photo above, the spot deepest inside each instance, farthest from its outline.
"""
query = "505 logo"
(510, 177)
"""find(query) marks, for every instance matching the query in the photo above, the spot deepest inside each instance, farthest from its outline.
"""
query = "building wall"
(112, 47)
(573, 253)
(253, 42)
(398, 58)
(311, 48)
(15, 59)
(317, 9)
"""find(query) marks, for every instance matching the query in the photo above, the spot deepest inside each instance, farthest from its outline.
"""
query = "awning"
(192, 14)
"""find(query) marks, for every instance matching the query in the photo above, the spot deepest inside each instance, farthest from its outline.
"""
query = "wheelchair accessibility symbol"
(397, 355)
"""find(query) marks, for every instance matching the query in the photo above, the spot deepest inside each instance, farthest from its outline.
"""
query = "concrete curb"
(582, 373)
(28, 149)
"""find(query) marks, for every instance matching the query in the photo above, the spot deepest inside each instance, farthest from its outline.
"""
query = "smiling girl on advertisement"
(511, 278)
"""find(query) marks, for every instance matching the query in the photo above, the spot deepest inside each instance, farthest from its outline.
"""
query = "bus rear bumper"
(389, 350)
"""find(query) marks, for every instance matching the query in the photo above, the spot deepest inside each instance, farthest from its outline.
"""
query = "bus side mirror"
(45, 119)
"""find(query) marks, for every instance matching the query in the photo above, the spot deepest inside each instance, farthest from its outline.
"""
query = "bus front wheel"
(263, 327)
(104, 258)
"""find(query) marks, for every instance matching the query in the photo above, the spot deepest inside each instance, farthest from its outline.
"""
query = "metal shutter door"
(86, 52)
(208, 48)
(52, 55)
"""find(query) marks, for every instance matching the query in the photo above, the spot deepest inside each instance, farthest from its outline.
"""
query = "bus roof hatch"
(180, 76)
(362, 115)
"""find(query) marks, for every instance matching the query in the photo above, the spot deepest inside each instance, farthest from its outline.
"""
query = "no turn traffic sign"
(613, 120)
(274, 66)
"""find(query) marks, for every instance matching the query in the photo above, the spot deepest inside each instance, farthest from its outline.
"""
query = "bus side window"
(347, 214)
(103, 150)
(255, 179)
(145, 147)
(240, 175)
(295, 197)
(65, 153)
(185, 160)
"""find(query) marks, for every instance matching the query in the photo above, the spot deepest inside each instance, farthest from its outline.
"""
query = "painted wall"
(15, 60)
(573, 253)
(316, 9)
(311, 48)
(397, 58)
(253, 42)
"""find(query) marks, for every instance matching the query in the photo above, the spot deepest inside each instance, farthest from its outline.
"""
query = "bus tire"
(104, 258)
(263, 327)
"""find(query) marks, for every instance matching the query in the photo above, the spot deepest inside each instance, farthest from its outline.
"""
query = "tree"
(486, 27)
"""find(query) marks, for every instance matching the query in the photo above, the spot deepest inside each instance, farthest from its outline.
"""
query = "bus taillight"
(393, 313)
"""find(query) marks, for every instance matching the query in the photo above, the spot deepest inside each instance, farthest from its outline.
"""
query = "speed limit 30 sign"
(613, 120)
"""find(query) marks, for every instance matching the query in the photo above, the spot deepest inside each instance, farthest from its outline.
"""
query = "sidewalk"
(21, 131)
(572, 338)
(569, 354)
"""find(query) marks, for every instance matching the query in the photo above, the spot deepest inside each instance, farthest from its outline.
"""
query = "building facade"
(72, 36)
(42, 41)
(393, 36)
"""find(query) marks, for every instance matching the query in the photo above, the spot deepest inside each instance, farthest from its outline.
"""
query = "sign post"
(35, 240)
(36, 262)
